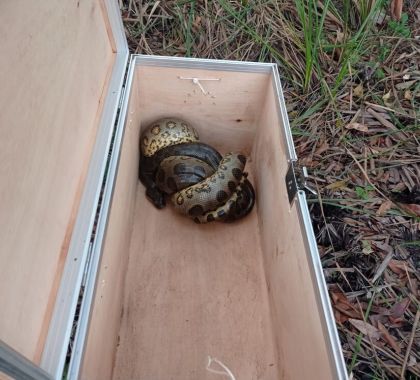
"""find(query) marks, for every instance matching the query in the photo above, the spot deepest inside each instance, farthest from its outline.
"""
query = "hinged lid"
(61, 70)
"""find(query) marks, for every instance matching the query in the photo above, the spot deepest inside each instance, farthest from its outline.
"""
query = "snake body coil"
(201, 183)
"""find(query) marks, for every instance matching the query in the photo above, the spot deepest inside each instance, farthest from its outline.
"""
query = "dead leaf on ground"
(358, 91)
(346, 312)
(383, 247)
(367, 247)
(396, 322)
(398, 267)
(358, 127)
(309, 162)
(339, 317)
(344, 307)
(384, 207)
(340, 36)
(366, 328)
(408, 95)
(411, 208)
(340, 297)
(405, 85)
(197, 22)
(378, 317)
(322, 148)
(388, 99)
(398, 310)
(336, 185)
(388, 337)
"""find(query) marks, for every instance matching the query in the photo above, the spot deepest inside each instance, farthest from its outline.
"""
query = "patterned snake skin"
(202, 184)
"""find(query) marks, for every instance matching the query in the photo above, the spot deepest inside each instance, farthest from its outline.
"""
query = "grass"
(341, 62)
(359, 337)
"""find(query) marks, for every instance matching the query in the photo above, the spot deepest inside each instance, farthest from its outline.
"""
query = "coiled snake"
(201, 183)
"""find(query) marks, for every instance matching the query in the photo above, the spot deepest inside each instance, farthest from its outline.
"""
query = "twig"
(323, 214)
(366, 175)
(407, 354)
(383, 266)
(386, 123)
(377, 106)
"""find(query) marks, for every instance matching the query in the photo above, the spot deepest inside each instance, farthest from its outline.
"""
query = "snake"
(200, 182)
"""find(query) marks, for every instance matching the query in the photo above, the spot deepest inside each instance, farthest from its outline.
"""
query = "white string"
(226, 371)
(197, 82)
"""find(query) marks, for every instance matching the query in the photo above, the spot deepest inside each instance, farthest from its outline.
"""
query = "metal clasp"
(296, 179)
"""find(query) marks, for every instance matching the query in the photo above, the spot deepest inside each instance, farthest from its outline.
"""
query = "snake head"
(156, 197)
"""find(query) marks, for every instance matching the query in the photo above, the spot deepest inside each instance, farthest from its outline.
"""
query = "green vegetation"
(363, 192)
(400, 28)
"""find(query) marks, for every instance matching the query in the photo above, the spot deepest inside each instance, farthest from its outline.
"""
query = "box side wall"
(297, 325)
(50, 102)
(102, 339)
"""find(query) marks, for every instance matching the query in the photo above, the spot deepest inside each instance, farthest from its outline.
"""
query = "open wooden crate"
(171, 292)
(160, 293)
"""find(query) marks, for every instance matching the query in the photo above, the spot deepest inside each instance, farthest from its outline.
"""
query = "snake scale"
(200, 182)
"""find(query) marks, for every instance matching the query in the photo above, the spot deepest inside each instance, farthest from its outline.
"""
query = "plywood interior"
(56, 57)
(194, 291)
(241, 292)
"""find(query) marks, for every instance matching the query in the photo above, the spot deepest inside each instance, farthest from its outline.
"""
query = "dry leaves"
(358, 91)
(398, 310)
(358, 127)
(411, 208)
(389, 338)
(398, 267)
(384, 207)
(343, 309)
(366, 328)
(336, 185)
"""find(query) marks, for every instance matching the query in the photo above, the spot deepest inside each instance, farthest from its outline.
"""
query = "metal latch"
(296, 179)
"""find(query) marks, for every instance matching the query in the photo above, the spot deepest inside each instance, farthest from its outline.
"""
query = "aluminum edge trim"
(56, 344)
(17, 366)
(90, 286)
(202, 63)
(117, 26)
(283, 114)
(323, 299)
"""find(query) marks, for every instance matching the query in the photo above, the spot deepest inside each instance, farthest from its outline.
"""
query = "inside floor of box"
(194, 291)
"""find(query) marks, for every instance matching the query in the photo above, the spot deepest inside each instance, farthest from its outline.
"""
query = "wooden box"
(96, 282)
